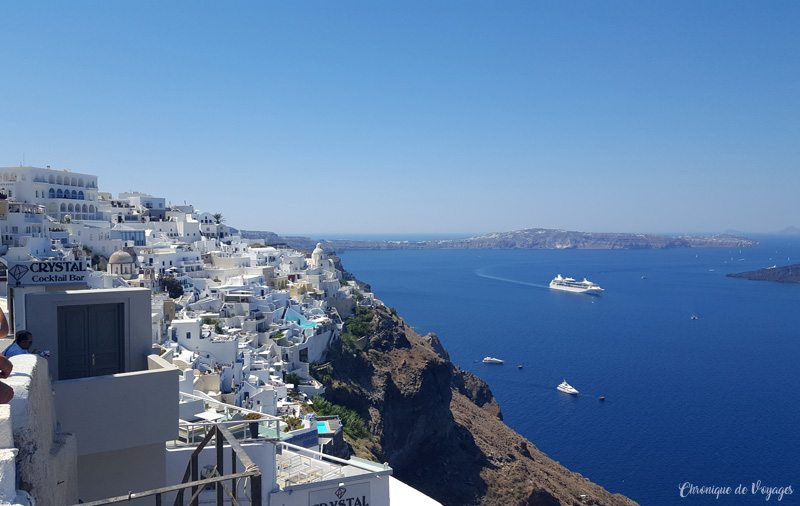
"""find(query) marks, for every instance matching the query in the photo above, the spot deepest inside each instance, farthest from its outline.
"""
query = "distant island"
(529, 238)
(786, 274)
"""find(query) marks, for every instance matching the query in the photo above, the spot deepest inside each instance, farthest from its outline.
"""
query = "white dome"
(121, 257)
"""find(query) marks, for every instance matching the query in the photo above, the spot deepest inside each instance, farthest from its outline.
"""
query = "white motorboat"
(570, 285)
(567, 388)
(492, 360)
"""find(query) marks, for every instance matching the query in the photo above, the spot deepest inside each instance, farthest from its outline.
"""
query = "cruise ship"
(570, 285)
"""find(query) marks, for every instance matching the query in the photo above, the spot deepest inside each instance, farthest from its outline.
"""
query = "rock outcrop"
(786, 274)
(440, 428)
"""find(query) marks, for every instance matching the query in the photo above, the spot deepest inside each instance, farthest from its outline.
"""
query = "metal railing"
(217, 479)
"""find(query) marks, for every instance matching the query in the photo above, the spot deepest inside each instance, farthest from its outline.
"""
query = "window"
(188, 335)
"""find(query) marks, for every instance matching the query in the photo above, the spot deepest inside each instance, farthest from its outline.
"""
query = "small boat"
(602, 398)
(693, 317)
(567, 388)
(519, 366)
(492, 360)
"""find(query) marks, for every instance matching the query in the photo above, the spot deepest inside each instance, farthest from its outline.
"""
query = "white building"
(62, 192)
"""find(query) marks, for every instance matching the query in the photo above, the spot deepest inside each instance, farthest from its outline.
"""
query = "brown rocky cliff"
(441, 429)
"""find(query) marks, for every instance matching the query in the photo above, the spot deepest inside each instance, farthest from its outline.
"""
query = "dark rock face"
(441, 429)
(787, 274)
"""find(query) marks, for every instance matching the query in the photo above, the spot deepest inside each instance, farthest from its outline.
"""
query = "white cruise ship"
(570, 285)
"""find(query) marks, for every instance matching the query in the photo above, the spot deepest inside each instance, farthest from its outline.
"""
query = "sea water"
(709, 402)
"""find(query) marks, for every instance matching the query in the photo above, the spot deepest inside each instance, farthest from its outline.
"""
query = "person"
(6, 392)
(22, 343)
(3, 324)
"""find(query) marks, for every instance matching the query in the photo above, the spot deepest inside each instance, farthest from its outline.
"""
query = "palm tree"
(218, 218)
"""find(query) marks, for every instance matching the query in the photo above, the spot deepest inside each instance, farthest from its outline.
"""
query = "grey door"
(89, 340)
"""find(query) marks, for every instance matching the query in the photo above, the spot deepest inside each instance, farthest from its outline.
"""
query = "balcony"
(294, 466)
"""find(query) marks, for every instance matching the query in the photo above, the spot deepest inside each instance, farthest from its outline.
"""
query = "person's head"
(24, 339)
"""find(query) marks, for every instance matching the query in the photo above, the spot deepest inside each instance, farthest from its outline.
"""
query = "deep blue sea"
(713, 401)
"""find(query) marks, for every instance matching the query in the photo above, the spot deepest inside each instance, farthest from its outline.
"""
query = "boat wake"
(515, 281)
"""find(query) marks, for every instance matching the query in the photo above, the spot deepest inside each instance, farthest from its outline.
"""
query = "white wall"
(45, 460)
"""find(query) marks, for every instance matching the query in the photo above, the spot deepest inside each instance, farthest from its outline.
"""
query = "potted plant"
(253, 425)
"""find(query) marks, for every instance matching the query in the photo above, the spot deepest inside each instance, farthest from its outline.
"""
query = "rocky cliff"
(440, 428)
(530, 238)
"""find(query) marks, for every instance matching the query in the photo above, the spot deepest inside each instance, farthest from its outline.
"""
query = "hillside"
(440, 428)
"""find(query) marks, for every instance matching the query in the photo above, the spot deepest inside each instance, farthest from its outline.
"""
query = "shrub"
(173, 287)
(353, 425)
(292, 378)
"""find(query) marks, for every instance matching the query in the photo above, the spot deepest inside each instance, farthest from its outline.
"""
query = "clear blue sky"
(338, 117)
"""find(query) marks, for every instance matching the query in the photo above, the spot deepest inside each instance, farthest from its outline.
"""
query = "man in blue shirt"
(22, 343)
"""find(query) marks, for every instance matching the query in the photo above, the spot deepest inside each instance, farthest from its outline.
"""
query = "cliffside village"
(155, 324)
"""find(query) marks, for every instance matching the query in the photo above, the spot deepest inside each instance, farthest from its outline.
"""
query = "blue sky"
(331, 118)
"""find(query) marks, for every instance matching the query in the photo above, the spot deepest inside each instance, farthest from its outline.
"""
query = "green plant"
(276, 336)
(292, 423)
(344, 283)
(216, 280)
(252, 416)
(353, 425)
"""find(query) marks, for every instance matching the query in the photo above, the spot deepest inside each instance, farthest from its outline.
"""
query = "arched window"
(59, 180)
(63, 208)
(51, 179)
(74, 195)
(84, 209)
(80, 195)
(59, 194)
(73, 182)
(80, 182)
(70, 209)
(51, 193)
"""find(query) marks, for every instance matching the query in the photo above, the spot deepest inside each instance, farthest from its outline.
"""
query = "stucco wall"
(121, 423)
(115, 473)
(42, 321)
(119, 411)
(46, 460)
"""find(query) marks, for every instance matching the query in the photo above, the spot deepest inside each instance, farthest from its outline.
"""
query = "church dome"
(121, 257)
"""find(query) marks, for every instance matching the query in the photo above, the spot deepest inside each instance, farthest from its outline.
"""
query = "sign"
(47, 272)
(356, 494)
